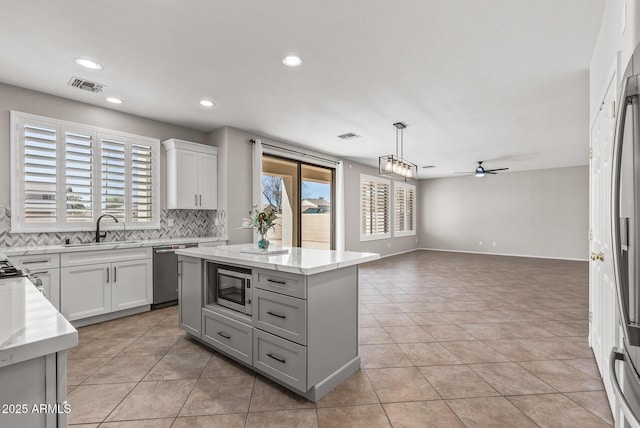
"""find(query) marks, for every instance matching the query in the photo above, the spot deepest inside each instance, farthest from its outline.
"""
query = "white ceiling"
(499, 80)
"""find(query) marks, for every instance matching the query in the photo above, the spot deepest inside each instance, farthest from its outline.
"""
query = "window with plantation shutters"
(66, 175)
(112, 195)
(374, 208)
(404, 209)
(79, 176)
(141, 183)
(39, 171)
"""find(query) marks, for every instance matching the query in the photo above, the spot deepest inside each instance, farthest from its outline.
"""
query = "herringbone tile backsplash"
(186, 224)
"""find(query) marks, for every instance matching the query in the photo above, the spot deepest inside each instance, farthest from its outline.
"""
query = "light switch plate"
(170, 222)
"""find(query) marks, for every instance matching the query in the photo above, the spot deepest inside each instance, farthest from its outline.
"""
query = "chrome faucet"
(104, 235)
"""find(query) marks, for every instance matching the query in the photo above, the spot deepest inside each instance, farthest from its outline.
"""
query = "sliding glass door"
(301, 194)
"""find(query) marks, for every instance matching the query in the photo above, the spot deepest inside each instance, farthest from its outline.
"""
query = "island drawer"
(37, 261)
(290, 284)
(284, 360)
(281, 315)
(227, 335)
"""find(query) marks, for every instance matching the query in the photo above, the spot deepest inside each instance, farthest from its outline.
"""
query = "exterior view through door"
(301, 194)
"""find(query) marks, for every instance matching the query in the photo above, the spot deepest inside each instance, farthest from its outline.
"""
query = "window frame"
(405, 213)
(18, 225)
(376, 180)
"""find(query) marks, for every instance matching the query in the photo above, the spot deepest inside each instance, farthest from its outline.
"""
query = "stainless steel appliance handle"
(170, 250)
(631, 418)
(622, 284)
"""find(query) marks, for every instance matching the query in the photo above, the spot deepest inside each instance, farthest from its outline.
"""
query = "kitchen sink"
(88, 244)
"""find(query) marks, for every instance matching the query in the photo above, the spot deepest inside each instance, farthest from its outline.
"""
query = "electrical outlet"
(170, 222)
(480, 243)
(216, 222)
(494, 243)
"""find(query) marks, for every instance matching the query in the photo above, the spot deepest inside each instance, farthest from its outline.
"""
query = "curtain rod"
(297, 152)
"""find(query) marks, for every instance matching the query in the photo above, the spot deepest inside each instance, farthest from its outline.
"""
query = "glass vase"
(263, 242)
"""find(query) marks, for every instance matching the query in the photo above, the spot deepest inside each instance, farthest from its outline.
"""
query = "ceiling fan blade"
(497, 169)
(490, 172)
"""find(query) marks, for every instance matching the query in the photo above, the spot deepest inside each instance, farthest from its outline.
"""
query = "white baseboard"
(400, 252)
(504, 254)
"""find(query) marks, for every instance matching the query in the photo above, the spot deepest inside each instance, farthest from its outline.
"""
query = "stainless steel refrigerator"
(624, 362)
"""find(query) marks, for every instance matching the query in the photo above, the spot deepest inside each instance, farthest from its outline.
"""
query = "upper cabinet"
(192, 175)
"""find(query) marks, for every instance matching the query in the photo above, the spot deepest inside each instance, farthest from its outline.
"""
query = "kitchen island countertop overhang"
(305, 261)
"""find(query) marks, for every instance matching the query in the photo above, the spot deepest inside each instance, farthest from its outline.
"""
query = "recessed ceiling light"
(114, 100)
(87, 63)
(292, 61)
(207, 103)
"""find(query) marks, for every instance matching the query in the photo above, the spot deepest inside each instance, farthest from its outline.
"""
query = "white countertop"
(46, 249)
(304, 261)
(30, 326)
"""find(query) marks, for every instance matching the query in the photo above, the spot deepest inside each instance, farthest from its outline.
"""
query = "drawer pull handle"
(276, 281)
(282, 360)
(277, 315)
(31, 262)
(226, 336)
(44, 272)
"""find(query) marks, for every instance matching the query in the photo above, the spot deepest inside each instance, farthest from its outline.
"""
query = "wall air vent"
(85, 85)
(348, 136)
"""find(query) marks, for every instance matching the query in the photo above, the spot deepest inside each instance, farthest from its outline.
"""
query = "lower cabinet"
(190, 295)
(228, 335)
(46, 267)
(87, 290)
(129, 287)
(280, 358)
(34, 392)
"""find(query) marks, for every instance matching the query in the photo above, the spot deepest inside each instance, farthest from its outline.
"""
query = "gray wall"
(27, 101)
(388, 246)
(543, 213)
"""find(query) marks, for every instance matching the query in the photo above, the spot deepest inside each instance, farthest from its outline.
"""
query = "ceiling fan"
(481, 171)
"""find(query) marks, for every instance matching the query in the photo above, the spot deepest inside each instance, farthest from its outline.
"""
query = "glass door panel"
(280, 191)
(316, 208)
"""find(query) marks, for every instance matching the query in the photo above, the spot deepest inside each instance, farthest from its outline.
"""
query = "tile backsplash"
(186, 223)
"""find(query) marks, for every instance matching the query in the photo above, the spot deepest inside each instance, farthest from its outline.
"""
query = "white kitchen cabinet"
(85, 291)
(46, 267)
(88, 289)
(131, 285)
(192, 175)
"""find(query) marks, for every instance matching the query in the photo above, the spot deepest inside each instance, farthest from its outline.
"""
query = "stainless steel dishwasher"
(165, 275)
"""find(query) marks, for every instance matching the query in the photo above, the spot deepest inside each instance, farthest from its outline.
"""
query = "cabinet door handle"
(200, 200)
(226, 336)
(276, 315)
(179, 267)
(276, 281)
(282, 360)
(115, 274)
(107, 275)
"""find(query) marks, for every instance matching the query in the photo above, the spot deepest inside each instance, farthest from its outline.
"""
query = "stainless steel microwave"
(229, 286)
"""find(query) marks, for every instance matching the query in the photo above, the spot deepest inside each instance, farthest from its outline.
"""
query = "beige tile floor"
(446, 339)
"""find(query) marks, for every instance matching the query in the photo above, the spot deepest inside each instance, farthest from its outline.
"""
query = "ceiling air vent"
(348, 136)
(86, 85)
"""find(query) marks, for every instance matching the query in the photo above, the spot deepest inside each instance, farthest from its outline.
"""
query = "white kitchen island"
(34, 338)
(302, 331)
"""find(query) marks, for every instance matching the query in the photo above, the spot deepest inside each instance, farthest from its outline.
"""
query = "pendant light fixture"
(395, 165)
